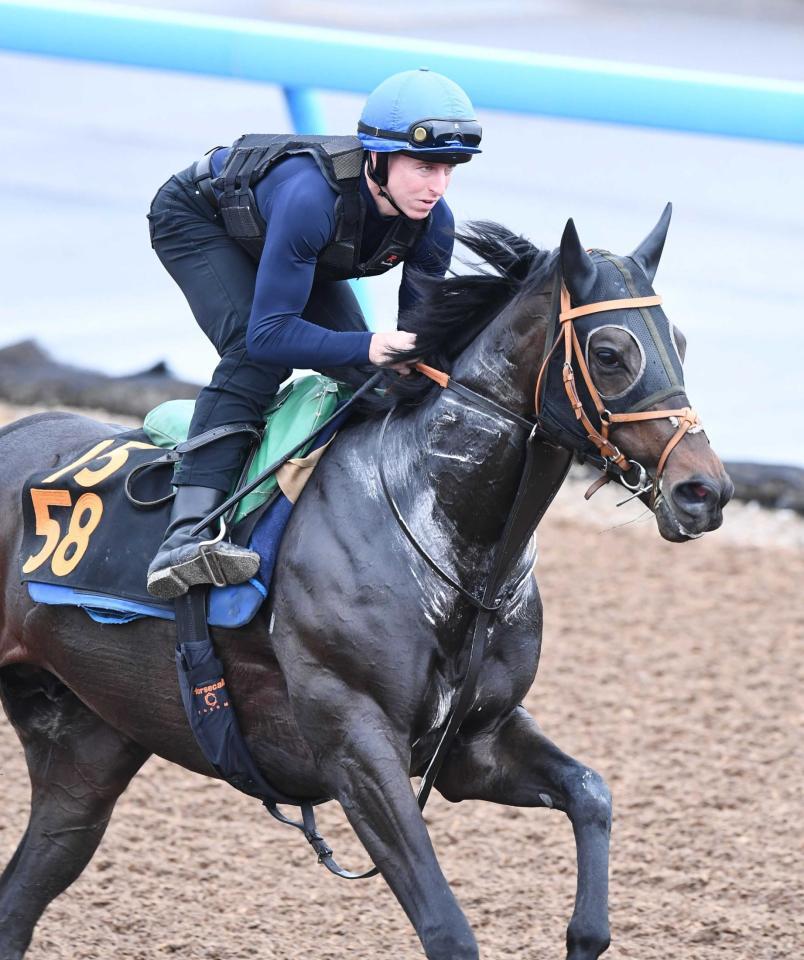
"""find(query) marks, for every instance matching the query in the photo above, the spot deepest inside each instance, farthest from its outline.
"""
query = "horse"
(344, 682)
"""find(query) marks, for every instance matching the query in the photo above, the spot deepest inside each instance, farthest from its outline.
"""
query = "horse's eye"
(606, 357)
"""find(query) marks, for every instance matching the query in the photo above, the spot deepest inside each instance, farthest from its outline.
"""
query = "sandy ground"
(682, 686)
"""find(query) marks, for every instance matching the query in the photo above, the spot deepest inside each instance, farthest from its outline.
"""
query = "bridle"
(612, 461)
(685, 418)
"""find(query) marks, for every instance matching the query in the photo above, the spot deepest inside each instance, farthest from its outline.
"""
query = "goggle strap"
(379, 132)
(406, 136)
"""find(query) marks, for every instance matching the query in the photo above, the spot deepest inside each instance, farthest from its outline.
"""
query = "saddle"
(92, 526)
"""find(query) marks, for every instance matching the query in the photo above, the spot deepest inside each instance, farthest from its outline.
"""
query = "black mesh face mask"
(662, 375)
(655, 374)
(605, 312)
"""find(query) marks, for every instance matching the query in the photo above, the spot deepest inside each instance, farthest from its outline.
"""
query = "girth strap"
(210, 713)
(207, 704)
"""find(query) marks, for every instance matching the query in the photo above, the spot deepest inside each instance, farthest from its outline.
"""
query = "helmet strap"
(378, 172)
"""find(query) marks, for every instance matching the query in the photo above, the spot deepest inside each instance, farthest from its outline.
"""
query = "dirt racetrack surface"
(674, 670)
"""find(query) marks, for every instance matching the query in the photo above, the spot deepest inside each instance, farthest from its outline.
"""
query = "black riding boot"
(184, 560)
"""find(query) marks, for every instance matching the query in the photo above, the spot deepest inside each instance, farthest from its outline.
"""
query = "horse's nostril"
(696, 495)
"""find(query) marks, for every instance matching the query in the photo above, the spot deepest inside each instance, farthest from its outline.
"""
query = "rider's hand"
(383, 343)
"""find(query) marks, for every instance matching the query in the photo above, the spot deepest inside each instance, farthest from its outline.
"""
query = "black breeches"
(217, 277)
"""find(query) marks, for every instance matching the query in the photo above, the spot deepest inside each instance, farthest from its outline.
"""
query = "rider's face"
(416, 184)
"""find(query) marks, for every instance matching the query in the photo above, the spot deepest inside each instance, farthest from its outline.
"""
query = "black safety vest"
(340, 160)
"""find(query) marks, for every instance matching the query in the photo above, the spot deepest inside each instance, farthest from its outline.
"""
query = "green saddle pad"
(295, 412)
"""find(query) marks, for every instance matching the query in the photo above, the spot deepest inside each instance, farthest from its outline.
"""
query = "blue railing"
(302, 59)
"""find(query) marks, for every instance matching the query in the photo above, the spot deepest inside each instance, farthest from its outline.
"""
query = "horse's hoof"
(224, 565)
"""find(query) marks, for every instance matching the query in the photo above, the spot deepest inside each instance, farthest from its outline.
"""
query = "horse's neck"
(503, 361)
(464, 474)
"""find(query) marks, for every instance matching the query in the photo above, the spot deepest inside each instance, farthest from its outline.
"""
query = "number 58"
(75, 541)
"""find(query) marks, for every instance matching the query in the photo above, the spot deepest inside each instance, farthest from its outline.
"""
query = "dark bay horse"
(345, 680)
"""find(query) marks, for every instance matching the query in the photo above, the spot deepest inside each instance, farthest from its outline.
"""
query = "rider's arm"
(431, 256)
(301, 223)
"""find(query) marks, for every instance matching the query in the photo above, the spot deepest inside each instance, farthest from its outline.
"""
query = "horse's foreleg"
(515, 764)
(78, 767)
(368, 775)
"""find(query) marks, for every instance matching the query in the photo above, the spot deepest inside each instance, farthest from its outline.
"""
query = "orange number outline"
(89, 455)
(78, 534)
(46, 526)
(116, 459)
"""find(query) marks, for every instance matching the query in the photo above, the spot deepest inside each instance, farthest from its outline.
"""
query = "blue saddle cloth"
(228, 606)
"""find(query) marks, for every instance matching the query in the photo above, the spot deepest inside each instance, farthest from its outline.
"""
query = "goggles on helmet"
(429, 134)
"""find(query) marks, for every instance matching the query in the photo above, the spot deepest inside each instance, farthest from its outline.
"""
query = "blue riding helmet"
(420, 112)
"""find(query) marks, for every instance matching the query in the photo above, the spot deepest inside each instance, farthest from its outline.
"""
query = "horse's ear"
(649, 252)
(577, 268)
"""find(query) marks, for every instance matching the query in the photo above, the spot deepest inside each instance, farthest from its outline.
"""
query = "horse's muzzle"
(694, 506)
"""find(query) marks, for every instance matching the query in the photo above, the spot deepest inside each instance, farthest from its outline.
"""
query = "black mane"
(453, 310)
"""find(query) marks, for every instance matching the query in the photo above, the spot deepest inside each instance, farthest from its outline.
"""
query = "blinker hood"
(660, 375)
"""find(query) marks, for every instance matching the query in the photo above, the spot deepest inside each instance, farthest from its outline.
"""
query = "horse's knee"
(589, 798)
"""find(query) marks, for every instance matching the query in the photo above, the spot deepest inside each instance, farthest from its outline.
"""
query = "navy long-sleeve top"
(298, 206)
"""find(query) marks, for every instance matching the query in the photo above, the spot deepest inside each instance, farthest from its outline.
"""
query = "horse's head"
(613, 385)
(610, 382)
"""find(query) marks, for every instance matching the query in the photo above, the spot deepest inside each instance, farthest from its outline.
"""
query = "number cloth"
(86, 544)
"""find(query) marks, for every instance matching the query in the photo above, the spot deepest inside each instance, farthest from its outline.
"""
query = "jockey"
(262, 238)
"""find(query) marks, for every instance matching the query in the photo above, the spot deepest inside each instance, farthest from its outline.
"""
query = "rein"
(480, 603)
(505, 552)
